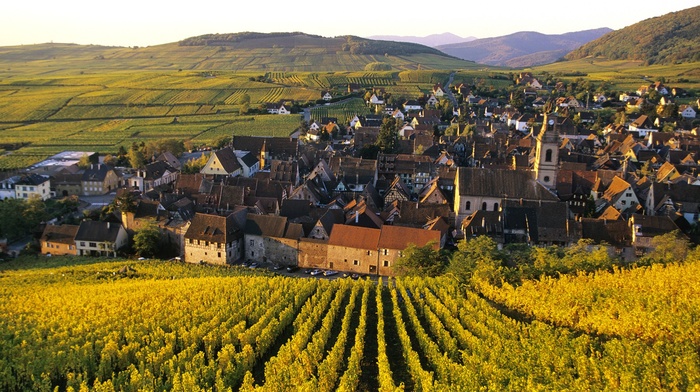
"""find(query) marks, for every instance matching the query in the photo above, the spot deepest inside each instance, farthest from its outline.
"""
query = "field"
(95, 325)
(101, 111)
(626, 75)
(344, 112)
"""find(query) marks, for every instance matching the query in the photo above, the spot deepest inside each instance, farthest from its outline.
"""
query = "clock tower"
(547, 153)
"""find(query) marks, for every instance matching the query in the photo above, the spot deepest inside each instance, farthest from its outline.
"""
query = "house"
(95, 238)
(431, 101)
(412, 105)
(326, 96)
(213, 239)
(153, 175)
(250, 164)
(438, 91)
(397, 191)
(271, 239)
(58, 240)
(523, 122)
(687, 111)
(32, 185)
(645, 228)
(619, 194)
(643, 125)
(170, 159)
(376, 100)
(99, 179)
(223, 163)
(277, 108)
(353, 249)
(393, 240)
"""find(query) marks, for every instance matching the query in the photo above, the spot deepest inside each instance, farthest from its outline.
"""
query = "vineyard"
(84, 324)
(344, 111)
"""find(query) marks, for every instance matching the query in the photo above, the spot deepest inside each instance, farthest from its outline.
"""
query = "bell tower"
(547, 153)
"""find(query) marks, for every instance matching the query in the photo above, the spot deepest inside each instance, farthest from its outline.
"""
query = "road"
(448, 90)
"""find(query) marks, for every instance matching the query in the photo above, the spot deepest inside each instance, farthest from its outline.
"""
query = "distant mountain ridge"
(667, 39)
(522, 49)
(433, 40)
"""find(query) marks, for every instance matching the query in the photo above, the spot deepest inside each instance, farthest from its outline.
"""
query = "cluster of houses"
(517, 178)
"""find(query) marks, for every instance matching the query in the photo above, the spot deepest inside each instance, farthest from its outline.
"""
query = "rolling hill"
(255, 52)
(521, 49)
(668, 39)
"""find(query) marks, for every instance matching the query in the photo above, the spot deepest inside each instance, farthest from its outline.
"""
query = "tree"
(84, 162)
(136, 158)
(388, 138)
(476, 259)
(147, 240)
(110, 160)
(669, 247)
(420, 261)
(194, 165)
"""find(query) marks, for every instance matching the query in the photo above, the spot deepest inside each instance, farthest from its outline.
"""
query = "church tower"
(547, 153)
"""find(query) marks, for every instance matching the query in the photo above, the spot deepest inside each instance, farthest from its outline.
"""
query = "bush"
(378, 66)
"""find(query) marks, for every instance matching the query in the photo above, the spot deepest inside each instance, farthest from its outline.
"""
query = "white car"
(316, 272)
(330, 273)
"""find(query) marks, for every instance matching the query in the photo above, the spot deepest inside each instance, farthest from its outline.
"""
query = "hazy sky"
(146, 22)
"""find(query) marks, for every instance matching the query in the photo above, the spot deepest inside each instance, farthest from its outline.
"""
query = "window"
(82, 243)
(483, 206)
(252, 242)
(468, 206)
(495, 206)
(548, 155)
(93, 245)
(356, 262)
(345, 260)
(400, 253)
(386, 263)
(218, 254)
(369, 253)
(628, 194)
(386, 252)
(546, 178)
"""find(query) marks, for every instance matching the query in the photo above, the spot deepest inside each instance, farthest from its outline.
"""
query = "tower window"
(548, 155)
(483, 206)
(468, 206)
(546, 178)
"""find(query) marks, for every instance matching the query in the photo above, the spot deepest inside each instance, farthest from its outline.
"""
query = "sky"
(153, 22)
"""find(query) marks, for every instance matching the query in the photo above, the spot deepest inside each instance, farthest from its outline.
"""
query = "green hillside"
(668, 39)
(231, 52)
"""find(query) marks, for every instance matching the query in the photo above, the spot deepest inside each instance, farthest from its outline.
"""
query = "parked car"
(355, 276)
(308, 271)
(253, 265)
(316, 272)
(276, 267)
(292, 268)
(330, 273)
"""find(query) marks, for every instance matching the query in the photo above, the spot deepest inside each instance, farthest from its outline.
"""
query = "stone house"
(213, 239)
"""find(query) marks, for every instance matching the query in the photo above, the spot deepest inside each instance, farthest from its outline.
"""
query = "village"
(334, 196)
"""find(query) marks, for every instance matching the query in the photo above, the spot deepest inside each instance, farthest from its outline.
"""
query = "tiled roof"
(97, 231)
(399, 237)
(517, 184)
(354, 237)
(265, 225)
(213, 228)
(63, 234)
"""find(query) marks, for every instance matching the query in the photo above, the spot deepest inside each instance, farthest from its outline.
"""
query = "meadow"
(91, 324)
